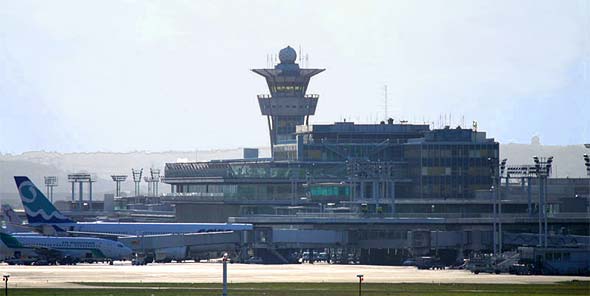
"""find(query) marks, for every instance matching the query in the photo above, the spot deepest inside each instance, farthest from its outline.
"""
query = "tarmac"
(66, 276)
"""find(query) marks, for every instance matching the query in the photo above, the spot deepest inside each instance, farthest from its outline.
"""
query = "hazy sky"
(159, 75)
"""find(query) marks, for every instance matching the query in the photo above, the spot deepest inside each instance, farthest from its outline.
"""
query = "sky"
(83, 76)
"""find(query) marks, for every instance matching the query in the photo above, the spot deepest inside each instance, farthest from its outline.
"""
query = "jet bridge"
(205, 241)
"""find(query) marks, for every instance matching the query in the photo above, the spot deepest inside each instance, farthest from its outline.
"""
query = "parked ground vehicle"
(483, 263)
(520, 269)
(429, 263)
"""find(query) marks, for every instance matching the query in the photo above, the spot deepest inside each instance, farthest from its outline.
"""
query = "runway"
(66, 276)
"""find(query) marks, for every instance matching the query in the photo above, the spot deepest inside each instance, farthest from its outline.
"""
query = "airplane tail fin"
(38, 208)
(9, 240)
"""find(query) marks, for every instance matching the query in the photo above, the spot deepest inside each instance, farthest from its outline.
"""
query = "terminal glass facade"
(441, 164)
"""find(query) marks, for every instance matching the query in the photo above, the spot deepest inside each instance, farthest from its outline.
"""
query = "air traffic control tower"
(287, 105)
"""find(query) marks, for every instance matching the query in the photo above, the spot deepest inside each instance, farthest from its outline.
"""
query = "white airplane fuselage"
(74, 247)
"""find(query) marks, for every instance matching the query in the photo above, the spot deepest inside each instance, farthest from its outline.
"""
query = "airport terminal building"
(335, 167)
(378, 188)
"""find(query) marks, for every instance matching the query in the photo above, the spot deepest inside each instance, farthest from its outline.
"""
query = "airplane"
(62, 249)
(40, 212)
(43, 215)
(22, 233)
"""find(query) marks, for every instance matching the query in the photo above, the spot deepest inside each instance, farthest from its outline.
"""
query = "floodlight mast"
(502, 170)
(50, 184)
(81, 178)
(543, 170)
(493, 163)
(118, 180)
(153, 180)
(137, 179)
(155, 176)
(91, 180)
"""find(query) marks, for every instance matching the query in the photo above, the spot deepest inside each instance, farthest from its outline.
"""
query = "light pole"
(137, 173)
(361, 277)
(543, 170)
(541, 207)
(493, 162)
(5, 279)
(225, 259)
(50, 183)
(502, 169)
(548, 164)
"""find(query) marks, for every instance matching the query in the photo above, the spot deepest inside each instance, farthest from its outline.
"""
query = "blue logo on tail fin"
(38, 208)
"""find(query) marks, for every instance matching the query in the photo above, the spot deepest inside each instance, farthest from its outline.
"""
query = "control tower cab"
(288, 105)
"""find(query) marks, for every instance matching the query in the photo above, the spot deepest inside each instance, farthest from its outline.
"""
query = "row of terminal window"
(557, 256)
(289, 106)
(286, 88)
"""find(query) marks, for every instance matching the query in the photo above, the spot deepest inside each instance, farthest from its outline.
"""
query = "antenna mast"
(385, 102)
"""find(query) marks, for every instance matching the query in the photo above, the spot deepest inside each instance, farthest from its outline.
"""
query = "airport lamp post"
(360, 276)
(502, 169)
(225, 259)
(538, 171)
(493, 162)
(543, 170)
(5, 279)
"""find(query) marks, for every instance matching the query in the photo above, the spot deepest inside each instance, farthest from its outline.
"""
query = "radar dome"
(287, 55)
